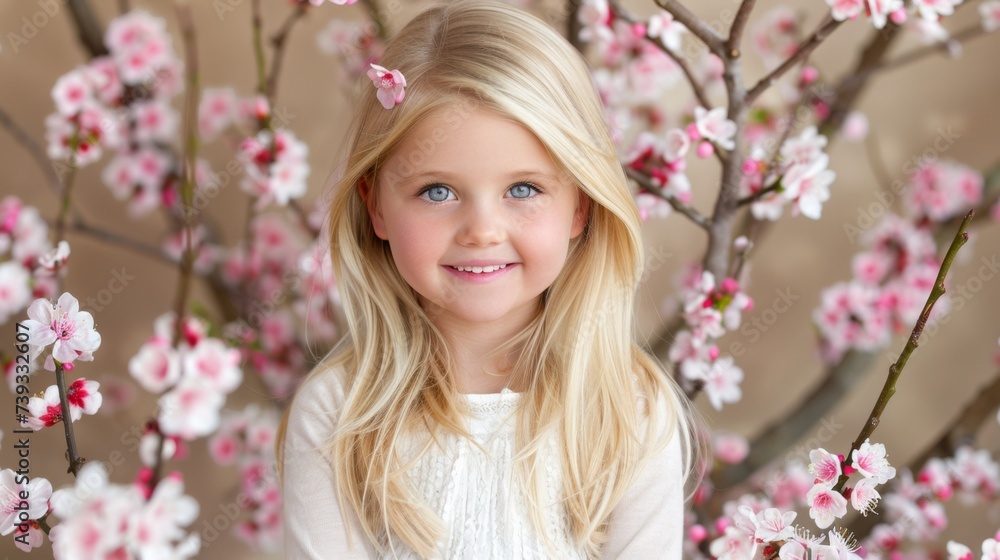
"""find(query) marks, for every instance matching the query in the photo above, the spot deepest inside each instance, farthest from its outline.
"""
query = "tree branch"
(648, 186)
(89, 30)
(803, 50)
(34, 150)
(697, 27)
(278, 42)
(75, 461)
(736, 31)
(896, 369)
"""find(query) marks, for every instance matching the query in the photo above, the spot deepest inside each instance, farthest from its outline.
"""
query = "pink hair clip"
(390, 84)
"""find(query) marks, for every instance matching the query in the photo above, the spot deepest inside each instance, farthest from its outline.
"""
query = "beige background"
(906, 107)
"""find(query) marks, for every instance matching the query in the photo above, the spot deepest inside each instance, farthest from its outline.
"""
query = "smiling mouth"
(479, 269)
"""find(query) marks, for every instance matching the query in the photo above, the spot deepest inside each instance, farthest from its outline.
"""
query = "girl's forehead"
(477, 141)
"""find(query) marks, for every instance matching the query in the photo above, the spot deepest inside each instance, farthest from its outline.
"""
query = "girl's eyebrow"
(448, 176)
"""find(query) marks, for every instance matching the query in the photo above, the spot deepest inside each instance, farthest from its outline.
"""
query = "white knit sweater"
(473, 492)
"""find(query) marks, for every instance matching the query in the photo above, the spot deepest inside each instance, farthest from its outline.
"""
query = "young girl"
(489, 401)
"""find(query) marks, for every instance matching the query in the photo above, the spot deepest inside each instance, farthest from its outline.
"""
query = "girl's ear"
(581, 214)
(367, 196)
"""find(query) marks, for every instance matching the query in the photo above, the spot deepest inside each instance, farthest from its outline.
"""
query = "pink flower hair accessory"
(390, 84)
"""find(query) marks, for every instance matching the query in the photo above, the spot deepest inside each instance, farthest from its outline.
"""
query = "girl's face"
(465, 194)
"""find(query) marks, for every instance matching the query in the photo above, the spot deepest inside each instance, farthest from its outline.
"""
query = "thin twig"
(278, 42)
(803, 50)
(694, 24)
(88, 29)
(922, 52)
(573, 22)
(190, 124)
(75, 461)
(736, 30)
(648, 186)
(896, 369)
(754, 197)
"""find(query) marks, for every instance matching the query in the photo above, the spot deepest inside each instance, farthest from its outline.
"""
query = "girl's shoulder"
(322, 391)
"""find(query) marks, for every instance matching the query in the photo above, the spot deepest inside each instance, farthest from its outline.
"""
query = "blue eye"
(436, 193)
(523, 190)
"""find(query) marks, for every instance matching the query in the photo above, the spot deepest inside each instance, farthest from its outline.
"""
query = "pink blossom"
(845, 9)
(826, 467)
(140, 46)
(805, 148)
(931, 10)
(825, 505)
(69, 330)
(730, 448)
(773, 525)
(214, 364)
(72, 92)
(855, 127)
(929, 31)
(775, 36)
(864, 496)
(943, 189)
(880, 10)
(30, 539)
(156, 367)
(957, 551)
(808, 185)
(662, 25)
(713, 125)
(38, 490)
(990, 12)
(190, 410)
(150, 442)
(274, 177)
(224, 448)
(216, 111)
(55, 259)
(870, 460)
(991, 549)
(792, 550)
(595, 20)
(390, 83)
(721, 378)
(95, 127)
(733, 545)
(102, 74)
(15, 289)
(155, 121)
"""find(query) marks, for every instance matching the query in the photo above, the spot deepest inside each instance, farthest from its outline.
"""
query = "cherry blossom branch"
(647, 184)
(190, 123)
(34, 150)
(803, 50)
(896, 369)
(67, 188)
(739, 24)
(922, 52)
(696, 86)
(75, 461)
(700, 29)
(278, 41)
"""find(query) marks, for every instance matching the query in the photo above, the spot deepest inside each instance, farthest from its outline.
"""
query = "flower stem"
(896, 369)
(75, 461)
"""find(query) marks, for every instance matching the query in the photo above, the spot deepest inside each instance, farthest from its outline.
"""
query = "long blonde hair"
(582, 370)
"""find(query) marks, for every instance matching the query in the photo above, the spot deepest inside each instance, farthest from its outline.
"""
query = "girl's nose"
(482, 225)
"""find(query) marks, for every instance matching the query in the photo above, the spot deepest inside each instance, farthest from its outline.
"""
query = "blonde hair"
(585, 377)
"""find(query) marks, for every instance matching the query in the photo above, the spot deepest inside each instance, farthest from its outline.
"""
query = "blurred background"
(908, 108)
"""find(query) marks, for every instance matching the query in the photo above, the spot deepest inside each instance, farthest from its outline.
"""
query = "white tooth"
(477, 269)
(503, 266)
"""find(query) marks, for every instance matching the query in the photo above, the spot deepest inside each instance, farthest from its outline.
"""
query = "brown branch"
(694, 24)
(190, 123)
(75, 461)
(573, 22)
(896, 369)
(278, 41)
(803, 50)
(922, 52)
(89, 30)
(647, 184)
(736, 30)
